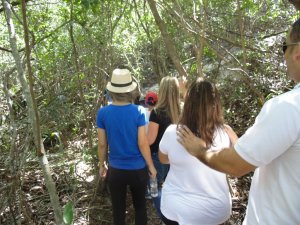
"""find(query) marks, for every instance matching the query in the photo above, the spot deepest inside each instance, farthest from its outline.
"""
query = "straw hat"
(121, 81)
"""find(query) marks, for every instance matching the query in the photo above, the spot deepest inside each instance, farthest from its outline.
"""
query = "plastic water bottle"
(153, 187)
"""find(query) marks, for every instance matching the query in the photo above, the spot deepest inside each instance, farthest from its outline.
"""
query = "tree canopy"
(56, 57)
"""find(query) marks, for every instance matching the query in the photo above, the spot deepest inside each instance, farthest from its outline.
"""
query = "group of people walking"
(191, 149)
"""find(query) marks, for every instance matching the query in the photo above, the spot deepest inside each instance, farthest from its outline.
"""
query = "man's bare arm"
(227, 160)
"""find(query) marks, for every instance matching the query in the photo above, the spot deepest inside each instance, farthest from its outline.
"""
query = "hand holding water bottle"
(153, 187)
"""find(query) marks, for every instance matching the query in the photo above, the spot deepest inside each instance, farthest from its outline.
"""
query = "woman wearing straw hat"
(121, 126)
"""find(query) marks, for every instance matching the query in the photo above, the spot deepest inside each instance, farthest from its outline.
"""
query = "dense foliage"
(75, 44)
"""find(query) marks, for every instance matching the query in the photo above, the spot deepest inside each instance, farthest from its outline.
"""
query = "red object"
(151, 98)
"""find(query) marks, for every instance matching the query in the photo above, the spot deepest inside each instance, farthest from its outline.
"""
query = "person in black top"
(166, 112)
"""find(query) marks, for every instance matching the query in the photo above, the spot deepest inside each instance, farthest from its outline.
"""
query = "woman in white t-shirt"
(194, 194)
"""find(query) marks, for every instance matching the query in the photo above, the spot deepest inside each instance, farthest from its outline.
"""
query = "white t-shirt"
(273, 145)
(193, 194)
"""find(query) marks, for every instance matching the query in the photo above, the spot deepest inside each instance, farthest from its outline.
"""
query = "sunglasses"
(285, 45)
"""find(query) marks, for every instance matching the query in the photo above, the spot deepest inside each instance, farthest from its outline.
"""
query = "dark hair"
(202, 111)
(295, 32)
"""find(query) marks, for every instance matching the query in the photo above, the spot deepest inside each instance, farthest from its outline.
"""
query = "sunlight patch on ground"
(78, 144)
(82, 170)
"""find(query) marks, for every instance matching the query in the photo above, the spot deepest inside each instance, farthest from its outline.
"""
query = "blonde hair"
(121, 97)
(168, 98)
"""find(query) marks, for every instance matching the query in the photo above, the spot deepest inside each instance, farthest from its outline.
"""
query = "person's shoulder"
(161, 112)
(154, 111)
(140, 108)
(171, 128)
(226, 127)
(103, 108)
(103, 111)
(294, 93)
(282, 105)
(171, 132)
(291, 97)
(137, 108)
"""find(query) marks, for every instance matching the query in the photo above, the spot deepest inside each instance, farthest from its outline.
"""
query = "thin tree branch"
(13, 4)
(41, 39)
(5, 49)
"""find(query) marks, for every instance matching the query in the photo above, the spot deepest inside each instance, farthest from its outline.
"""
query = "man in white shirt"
(271, 148)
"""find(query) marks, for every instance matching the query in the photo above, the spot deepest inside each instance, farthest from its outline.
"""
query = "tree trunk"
(32, 108)
(14, 156)
(82, 99)
(241, 18)
(37, 131)
(201, 35)
(12, 120)
(168, 42)
(242, 35)
(296, 3)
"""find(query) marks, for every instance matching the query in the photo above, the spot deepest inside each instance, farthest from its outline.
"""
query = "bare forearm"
(102, 164)
(102, 146)
(102, 154)
(226, 161)
(217, 161)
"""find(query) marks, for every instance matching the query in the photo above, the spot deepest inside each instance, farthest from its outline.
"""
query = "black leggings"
(118, 180)
(167, 221)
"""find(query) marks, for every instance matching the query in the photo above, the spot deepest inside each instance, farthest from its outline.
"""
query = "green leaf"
(68, 213)
(72, 169)
(81, 76)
